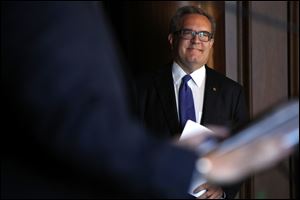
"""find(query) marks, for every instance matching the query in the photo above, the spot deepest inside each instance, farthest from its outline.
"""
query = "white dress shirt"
(196, 84)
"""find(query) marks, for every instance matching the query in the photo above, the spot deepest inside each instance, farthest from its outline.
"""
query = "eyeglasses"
(189, 34)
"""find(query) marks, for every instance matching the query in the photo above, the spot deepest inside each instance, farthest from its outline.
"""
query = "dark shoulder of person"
(226, 81)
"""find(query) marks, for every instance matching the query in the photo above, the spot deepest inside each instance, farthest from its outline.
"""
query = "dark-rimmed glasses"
(189, 34)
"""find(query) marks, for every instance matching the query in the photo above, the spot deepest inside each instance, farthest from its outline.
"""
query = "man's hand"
(212, 191)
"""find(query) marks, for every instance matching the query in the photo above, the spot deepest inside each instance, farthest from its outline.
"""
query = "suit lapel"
(165, 88)
(211, 93)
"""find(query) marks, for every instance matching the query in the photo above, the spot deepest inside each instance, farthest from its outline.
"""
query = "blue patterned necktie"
(186, 102)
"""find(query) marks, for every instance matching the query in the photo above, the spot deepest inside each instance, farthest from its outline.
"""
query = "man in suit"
(217, 100)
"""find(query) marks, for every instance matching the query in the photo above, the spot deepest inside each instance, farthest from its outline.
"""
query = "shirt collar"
(197, 76)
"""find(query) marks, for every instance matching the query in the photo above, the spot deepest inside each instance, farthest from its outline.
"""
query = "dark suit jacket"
(66, 131)
(224, 103)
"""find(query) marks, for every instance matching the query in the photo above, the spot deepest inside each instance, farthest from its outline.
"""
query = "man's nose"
(195, 39)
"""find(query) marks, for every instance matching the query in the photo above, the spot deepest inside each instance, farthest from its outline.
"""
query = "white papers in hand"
(192, 129)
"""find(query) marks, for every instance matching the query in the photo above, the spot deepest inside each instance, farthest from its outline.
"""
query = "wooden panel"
(293, 14)
(269, 54)
(294, 47)
(269, 74)
(266, 62)
(231, 40)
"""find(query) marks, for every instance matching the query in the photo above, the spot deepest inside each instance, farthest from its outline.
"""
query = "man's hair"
(176, 19)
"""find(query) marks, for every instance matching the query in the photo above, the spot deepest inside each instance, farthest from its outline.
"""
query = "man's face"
(192, 54)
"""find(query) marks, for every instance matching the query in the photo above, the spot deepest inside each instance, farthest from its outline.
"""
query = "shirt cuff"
(196, 181)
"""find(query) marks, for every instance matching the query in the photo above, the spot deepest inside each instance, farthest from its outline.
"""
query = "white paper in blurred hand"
(192, 129)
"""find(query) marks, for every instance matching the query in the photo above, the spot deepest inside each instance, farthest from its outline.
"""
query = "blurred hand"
(224, 166)
(212, 191)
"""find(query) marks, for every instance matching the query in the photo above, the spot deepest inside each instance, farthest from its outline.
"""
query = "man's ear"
(171, 40)
(211, 42)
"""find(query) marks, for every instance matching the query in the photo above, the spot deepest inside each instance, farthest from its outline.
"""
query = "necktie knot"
(186, 79)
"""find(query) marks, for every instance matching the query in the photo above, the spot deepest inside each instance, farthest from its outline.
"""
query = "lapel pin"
(214, 89)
